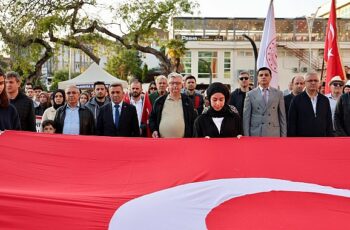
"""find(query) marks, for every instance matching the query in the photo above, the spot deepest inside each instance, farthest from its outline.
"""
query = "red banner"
(88, 182)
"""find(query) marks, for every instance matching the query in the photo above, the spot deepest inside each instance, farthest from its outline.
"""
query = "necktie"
(116, 121)
(265, 95)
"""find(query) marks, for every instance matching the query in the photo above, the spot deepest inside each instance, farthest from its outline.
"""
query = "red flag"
(90, 182)
(126, 98)
(146, 111)
(331, 52)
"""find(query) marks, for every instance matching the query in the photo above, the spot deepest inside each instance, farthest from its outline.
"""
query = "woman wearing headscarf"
(58, 98)
(44, 103)
(220, 120)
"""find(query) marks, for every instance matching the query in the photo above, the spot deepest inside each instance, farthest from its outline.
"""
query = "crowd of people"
(172, 107)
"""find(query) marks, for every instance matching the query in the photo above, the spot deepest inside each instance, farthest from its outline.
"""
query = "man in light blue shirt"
(73, 118)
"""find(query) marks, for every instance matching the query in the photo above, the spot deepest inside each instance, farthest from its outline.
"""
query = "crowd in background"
(173, 107)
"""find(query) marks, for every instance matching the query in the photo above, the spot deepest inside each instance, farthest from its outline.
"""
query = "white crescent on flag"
(186, 206)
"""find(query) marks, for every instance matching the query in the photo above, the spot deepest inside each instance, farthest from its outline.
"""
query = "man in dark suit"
(310, 113)
(298, 84)
(117, 118)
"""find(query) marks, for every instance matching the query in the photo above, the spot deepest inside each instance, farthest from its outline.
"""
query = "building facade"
(218, 46)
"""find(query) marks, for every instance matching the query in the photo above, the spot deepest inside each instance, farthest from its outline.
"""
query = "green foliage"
(70, 22)
(61, 75)
(125, 63)
(142, 15)
(176, 48)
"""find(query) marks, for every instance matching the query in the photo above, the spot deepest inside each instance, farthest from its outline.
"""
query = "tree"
(61, 75)
(176, 50)
(71, 23)
(125, 63)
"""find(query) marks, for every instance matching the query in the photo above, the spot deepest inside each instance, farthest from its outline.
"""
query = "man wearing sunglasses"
(238, 95)
(336, 86)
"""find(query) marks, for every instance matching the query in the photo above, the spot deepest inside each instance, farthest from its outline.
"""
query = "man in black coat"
(173, 115)
(237, 97)
(342, 116)
(117, 118)
(310, 112)
(298, 84)
(73, 118)
(23, 104)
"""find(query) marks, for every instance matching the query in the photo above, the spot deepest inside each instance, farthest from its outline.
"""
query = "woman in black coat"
(220, 120)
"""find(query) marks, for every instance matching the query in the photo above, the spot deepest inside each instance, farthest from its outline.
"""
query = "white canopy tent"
(92, 74)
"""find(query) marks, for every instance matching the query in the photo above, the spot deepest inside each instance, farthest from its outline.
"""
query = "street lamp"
(310, 23)
(255, 57)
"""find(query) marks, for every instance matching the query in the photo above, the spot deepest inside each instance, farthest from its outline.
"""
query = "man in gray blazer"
(264, 112)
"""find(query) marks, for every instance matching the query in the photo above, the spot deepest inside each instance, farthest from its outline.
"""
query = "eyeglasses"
(153, 88)
(337, 84)
(243, 78)
(69, 93)
(315, 80)
(175, 83)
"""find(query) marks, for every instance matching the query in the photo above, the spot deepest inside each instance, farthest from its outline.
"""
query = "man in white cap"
(336, 86)
(346, 88)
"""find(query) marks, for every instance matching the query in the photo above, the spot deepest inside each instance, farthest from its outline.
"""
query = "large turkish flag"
(86, 182)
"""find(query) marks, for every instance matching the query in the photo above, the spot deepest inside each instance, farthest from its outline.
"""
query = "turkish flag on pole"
(331, 52)
(89, 182)
(146, 112)
(268, 47)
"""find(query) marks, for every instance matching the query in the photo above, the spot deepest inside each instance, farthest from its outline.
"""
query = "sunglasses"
(337, 84)
(153, 88)
(243, 78)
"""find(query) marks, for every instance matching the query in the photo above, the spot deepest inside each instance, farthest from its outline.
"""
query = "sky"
(258, 8)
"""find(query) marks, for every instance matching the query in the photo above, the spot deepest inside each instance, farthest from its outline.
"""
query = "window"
(186, 63)
(245, 53)
(207, 64)
(227, 64)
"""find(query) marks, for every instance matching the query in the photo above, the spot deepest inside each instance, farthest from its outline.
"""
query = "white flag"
(268, 47)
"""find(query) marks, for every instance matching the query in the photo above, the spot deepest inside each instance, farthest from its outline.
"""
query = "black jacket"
(9, 119)
(204, 126)
(287, 100)
(128, 122)
(303, 122)
(237, 98)
(86, 119)
(188, 110)
(25, 108)
(342, 116)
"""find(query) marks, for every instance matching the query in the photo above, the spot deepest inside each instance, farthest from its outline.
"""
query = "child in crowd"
(48, 126)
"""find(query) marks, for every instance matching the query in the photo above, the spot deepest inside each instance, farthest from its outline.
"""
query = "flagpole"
(322, 70)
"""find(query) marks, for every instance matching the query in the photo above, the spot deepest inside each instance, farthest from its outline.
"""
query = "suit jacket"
(303, 122)
(128, 122)
(287, 100)
(342, 116)
(260, 119)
